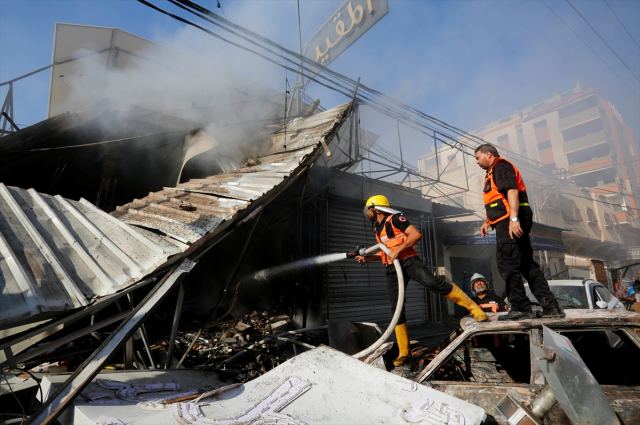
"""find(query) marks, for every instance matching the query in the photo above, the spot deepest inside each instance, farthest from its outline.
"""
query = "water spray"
(265, 275)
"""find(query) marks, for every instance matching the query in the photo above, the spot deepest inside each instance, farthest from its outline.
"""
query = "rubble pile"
(252, 342)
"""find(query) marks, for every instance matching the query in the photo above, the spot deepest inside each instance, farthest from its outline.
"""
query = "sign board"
(343, 28)
(555, 105)
(537, 242)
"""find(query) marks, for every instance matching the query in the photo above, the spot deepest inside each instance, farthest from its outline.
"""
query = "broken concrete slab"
(325, 386)
(116, 394)
(321, 386)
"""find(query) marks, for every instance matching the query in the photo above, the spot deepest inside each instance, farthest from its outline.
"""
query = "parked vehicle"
(481, 362)
(586, 294)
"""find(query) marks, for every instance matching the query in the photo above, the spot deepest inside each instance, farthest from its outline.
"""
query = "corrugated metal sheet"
(57, 254)
(193, 209)
(359, 293)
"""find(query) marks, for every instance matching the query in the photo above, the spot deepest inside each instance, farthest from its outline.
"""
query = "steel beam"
(78, 381)
(174, 328)
(72, 318)
(46, 347)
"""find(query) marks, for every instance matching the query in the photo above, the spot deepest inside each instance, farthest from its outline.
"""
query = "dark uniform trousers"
(413, 269)
(516, 259)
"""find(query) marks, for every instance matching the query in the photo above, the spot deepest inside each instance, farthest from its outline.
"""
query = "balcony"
(585, 142)
(607, 189)
(592, 164)
(579, 118)
(625, 218)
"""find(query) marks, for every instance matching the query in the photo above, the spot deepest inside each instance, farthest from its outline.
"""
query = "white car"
(583, 294)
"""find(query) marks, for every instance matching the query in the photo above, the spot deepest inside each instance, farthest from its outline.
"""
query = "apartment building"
(580, 163)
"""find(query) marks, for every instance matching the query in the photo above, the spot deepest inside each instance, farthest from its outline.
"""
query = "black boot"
(516, 315)
(549, 313)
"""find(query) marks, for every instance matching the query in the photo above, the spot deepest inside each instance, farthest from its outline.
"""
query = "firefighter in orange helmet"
(508, 212)
(394, 230)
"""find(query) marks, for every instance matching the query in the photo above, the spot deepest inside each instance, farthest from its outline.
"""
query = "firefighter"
(484, 296)
(394, 230)
(509, 213)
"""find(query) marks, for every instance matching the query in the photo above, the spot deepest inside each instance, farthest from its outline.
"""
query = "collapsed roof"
(59, 254)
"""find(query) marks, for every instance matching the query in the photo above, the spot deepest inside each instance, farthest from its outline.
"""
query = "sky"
(464, 62)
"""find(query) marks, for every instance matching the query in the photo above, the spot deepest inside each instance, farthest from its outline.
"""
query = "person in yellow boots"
(394, 230)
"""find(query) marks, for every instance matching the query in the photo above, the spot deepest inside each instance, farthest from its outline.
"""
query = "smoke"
(162, 88)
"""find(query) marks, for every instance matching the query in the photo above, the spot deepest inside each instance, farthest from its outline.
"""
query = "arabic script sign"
(343, 28)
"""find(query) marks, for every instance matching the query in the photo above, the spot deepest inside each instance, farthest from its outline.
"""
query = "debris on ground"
(253, 334)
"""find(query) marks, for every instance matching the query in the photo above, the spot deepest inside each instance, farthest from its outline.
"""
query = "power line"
(625, 28)
(603, 40)
(341, 77)
(589, 47)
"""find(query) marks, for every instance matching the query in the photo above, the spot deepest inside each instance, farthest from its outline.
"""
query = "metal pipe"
(543, 402)
(68, 320)
(143, 335)
(46, 347)
(399, 305)
(174, 328)
(297, 331)
(293, 341)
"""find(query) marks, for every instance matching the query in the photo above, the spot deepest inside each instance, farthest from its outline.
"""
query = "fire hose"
(396, 315)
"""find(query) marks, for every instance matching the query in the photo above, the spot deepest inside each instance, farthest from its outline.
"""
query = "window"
(584, 129)
(544, 145)
(601, 294)
(540, 124)
(584, 155)
(577, 107)
(607, 220)
(595, 345)
(503, 138)
(521, 143)
(572, 296)
(616, 223)
(591, 216)
(451, 157)
(606, 176)
(489, 357)
(571, 214)
(430, 163)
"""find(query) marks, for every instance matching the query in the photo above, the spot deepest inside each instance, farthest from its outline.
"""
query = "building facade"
(580, 163)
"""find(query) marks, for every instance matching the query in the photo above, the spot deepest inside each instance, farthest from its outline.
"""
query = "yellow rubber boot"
(402, 336)
(458, 296)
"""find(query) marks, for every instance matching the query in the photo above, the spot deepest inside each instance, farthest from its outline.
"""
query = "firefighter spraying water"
(395, 232)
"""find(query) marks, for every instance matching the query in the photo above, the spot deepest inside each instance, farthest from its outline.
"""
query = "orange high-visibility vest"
(495, 202)
(492, 305)
(394, 241)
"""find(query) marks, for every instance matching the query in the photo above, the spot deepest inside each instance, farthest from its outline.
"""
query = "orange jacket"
(394, 241)
(495, 202)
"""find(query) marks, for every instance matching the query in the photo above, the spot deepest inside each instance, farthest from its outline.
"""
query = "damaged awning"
(59, 254)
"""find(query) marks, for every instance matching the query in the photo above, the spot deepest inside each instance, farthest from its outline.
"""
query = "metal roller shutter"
(359, 293)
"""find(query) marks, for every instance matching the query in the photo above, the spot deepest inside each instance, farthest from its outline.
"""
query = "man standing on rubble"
(395, 231)
(509, 213)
